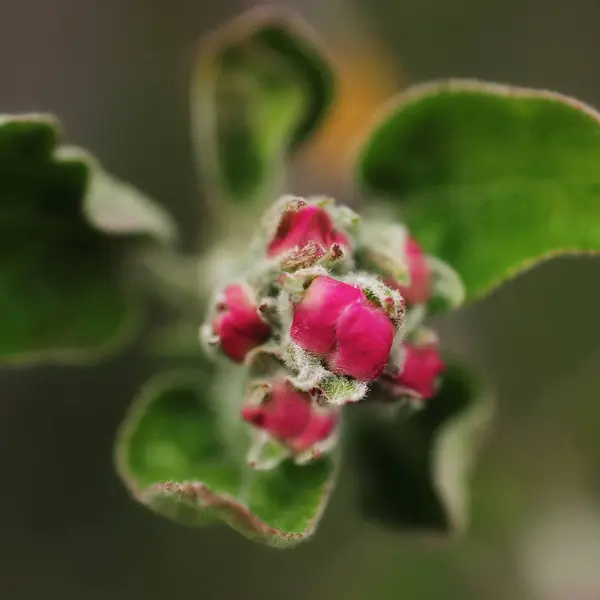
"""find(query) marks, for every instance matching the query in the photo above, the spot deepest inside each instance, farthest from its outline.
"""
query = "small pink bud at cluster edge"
(289, 416)
(237, 323)
(417, 378)
(419, 287)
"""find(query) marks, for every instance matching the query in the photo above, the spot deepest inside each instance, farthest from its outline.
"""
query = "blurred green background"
(116, 73)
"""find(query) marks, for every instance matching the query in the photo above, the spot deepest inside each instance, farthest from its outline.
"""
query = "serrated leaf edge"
(420, 91)
(134, 305)
(200, 495)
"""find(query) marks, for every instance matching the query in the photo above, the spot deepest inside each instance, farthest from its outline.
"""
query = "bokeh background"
(116, 73)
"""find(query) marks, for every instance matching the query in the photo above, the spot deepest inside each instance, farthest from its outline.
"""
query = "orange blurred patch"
(367, 77)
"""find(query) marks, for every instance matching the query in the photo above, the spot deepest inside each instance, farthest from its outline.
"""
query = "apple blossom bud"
(335, 321)
(289, 416)
(418, 376)
(364, 337)
(315, 316)
(301, 224)
(418, 289)
(237, 325)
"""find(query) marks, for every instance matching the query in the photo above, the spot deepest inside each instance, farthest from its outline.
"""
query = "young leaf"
(260, 87)
(62, 296)
(413, 469)
(186, 459)
(489, 178)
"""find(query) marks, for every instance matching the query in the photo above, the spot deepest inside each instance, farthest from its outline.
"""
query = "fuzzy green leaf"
(491, 179)
(414, 469)
(186, 459)
(260, 87)
(61, 295)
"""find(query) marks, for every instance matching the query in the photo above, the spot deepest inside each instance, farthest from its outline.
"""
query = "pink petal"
(237, 299)
(315, 317)
(239, 326)
(321, 426)
(421, 368)
(364, 338)
(285, 414)
(255, 415)
(299, 227)
(420, 277)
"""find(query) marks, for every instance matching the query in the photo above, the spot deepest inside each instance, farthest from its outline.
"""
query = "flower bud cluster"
(330, 311)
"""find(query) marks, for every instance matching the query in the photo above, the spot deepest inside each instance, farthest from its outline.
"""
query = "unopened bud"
(237, 325)
(301, 224)
(290, 417)
(335, 321)
(418, 375)
(418, 288)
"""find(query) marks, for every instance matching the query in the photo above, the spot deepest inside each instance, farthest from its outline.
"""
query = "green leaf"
(260, 87)
(186, 459)
(414, 468)
(62, 296)
(491, 179)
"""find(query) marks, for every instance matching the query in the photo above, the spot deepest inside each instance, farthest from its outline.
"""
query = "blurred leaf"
(61, 293)
(447, 288)
(414, 468)
(186, 459)
(260, 87)
(491, 179)
(115, 207)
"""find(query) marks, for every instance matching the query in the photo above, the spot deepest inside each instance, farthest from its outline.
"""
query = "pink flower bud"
(335, 321)
(288, 415)
(316, 316)
(419, 288)
(237, 323)
(319, 428)
(303, 224)
(364, 336)
(422, 365)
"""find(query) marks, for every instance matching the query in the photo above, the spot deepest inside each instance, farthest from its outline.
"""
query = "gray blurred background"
(115, 72)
